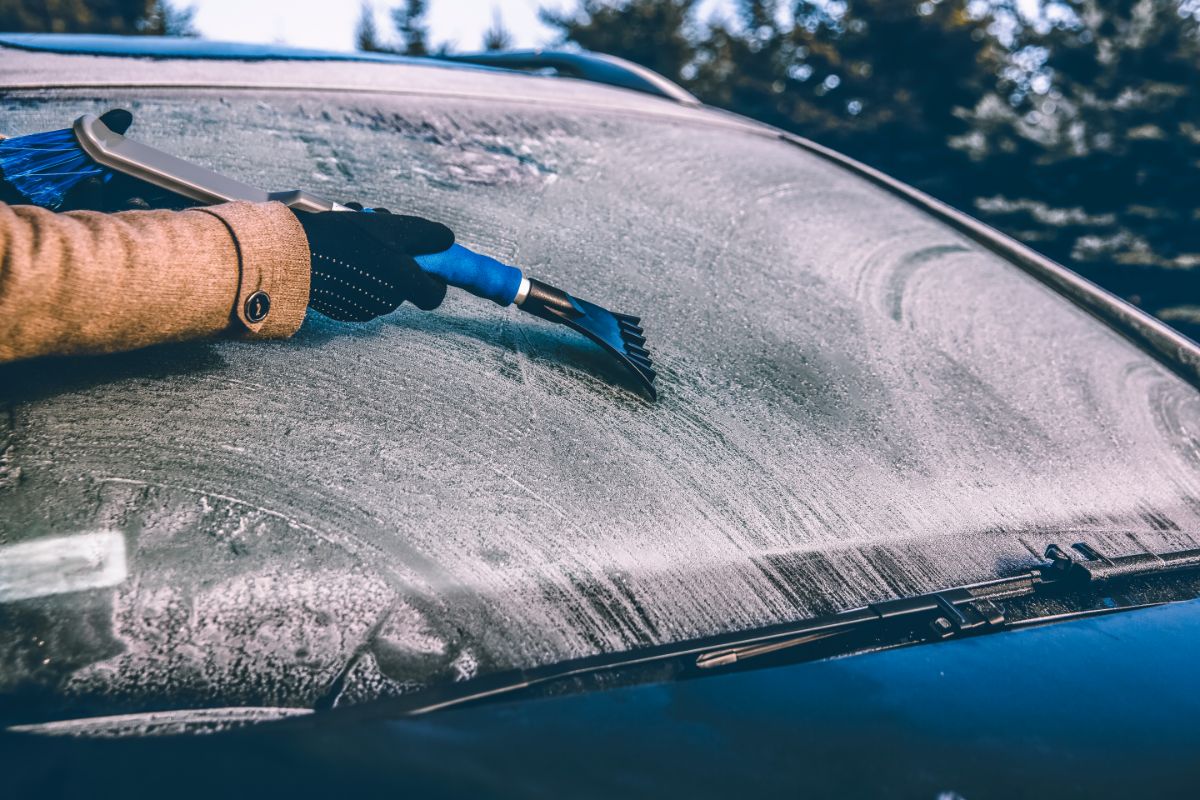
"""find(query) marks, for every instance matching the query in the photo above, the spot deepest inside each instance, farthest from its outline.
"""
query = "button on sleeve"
(275, 266)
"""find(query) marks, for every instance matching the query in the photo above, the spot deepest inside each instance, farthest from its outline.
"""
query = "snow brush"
(45, 167)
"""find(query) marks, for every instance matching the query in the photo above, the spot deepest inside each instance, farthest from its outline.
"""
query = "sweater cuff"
(274, 263)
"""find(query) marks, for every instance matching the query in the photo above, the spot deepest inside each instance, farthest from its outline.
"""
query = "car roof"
(595, 67)
(859, 401)
(41, 60)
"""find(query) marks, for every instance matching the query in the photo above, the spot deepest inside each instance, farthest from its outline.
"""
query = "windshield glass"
(856, 404)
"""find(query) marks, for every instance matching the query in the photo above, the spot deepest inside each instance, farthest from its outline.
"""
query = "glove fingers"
(413, 235)
(423, 236)
(426, 292)
(363, 266)
(357, 206)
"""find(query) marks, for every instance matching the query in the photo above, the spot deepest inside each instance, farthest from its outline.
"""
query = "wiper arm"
(936, 615)
(1095, 566)
(967, 609)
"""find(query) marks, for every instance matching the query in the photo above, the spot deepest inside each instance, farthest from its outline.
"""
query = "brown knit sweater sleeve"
(86, 282)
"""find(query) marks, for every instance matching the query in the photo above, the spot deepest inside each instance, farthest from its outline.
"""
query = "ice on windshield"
(856, 404)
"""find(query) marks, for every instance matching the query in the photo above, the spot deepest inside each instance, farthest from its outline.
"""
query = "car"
(913, 515)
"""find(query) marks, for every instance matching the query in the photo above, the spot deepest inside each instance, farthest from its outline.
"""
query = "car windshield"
(856, 404)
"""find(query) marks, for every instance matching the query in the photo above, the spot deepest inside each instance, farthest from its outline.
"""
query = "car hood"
(992, 709)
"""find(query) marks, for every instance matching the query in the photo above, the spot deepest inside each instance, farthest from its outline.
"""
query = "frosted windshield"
(856, 404)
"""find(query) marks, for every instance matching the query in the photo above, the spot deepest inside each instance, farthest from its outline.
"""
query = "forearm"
(86, 282)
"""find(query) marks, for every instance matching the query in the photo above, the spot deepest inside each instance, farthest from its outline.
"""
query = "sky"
(330, 24)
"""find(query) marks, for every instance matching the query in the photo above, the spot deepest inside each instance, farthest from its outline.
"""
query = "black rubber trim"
(585, 65)
(582, 64)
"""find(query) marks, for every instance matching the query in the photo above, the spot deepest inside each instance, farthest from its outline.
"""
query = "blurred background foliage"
(126, 17)
(1073, 125)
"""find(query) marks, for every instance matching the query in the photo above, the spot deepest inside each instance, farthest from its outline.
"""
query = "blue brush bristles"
(44, 167)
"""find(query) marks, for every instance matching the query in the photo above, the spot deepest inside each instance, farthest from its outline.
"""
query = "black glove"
(362, 263)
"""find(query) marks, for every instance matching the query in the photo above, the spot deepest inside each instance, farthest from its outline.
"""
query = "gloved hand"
(362, 263)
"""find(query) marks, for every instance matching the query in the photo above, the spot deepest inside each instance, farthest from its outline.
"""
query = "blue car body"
(1100, 707)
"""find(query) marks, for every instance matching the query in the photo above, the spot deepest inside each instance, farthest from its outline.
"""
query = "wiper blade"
(732, 655)
(936, 615)
(968, 609)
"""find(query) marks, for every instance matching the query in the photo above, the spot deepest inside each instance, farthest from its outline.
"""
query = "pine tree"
(409, 20)
(366, 33)
(411, 29)
(655, 33)
(124, 17)
(165, 19)
(497, 37)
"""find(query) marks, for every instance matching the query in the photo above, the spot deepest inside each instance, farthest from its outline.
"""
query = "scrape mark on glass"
(64, 564)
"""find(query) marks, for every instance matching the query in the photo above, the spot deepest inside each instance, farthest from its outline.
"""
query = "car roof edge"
(581, 64)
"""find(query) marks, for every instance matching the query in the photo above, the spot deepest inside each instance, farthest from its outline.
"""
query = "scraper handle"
(476, 273)
(112, 150)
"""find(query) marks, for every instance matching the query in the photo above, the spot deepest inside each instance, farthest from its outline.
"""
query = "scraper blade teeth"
(641, 363)
(620, 334)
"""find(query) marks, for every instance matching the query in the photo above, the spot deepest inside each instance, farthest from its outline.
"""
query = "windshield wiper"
(732, 655)
(1095, 566)
(973, 608)
(1073, 582)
